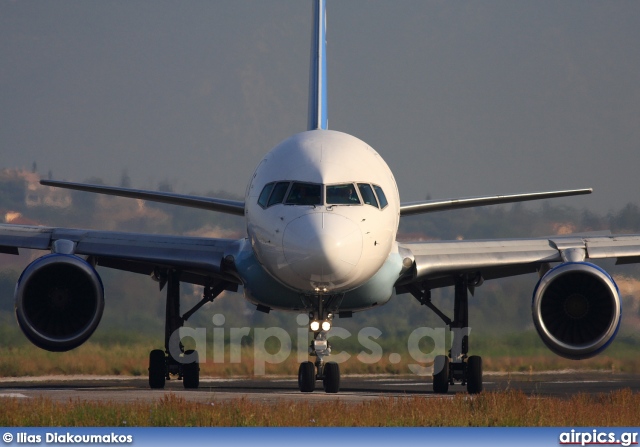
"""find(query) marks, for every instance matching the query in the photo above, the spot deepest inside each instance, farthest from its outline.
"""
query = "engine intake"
(576, 309)
(59, 301)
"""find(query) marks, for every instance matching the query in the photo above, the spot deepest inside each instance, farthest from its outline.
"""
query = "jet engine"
(576, 309)
(59, 301)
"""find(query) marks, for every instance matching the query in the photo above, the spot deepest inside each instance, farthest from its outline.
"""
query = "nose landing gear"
(329, 372)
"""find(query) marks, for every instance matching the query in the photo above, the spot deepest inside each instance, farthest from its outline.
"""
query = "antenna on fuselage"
(318, 69)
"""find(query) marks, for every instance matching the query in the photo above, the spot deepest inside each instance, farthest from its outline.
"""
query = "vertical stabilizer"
(318, 69)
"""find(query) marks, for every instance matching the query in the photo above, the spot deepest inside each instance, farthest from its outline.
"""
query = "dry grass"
(511, 408)
(92, 359)
(132, 360)
(551, 362)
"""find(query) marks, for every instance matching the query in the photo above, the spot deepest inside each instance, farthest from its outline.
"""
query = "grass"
(95, 359)
(512, 408)
(506, 409)
(132, 360)
(91, 359)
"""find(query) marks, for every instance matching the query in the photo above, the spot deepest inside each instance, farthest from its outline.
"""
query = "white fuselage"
(316, 213)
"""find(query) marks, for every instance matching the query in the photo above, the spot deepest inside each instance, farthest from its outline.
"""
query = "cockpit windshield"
(279, 190)
(342, 195)
(305, 194)
(367, 194)
(381, 197)
(299, 193)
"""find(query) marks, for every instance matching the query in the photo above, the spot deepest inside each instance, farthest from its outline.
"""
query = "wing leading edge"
(428, 206)
(207, 203)
(438, 262)
(200, 259)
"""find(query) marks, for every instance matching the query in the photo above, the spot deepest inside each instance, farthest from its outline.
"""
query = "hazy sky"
(460, 98)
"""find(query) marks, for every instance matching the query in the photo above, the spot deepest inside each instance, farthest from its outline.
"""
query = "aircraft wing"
(206, 203)
(437, 262)
(429, 206)
(199, 259)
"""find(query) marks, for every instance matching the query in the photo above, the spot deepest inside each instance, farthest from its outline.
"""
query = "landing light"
(315, 325)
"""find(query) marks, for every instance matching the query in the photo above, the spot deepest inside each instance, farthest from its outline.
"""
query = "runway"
(270, 389)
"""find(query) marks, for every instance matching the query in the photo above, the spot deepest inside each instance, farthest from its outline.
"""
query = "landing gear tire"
(157, 369)
(331, 379)
(441, 374)
(191, 371)
(474, 374)
(307, 377)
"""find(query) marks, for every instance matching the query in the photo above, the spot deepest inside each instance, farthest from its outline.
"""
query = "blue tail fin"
(318, 69)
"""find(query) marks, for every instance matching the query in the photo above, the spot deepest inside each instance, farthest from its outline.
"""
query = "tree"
(165, 186)
(13, 195)
(125, 180)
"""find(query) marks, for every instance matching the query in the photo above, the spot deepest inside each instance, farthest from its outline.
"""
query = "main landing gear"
(456, 366)
(329, 372)
(175, 360)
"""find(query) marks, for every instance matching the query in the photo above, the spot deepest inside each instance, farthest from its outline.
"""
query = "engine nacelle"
(576, 309)
(59, 301)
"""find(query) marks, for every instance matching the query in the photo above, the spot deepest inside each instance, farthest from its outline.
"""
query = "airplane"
(322, 211)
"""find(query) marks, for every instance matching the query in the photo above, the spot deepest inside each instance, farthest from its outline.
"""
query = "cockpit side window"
(381, 197)
(305, 194)
(367, 194)
(342, 195)
(279, 191)
(264, 195)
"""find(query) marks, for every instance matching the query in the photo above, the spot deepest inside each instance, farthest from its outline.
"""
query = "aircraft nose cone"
(322, 247)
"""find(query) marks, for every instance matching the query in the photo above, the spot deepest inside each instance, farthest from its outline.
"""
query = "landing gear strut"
(457, 366)
(174, 360)
(320, 320)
